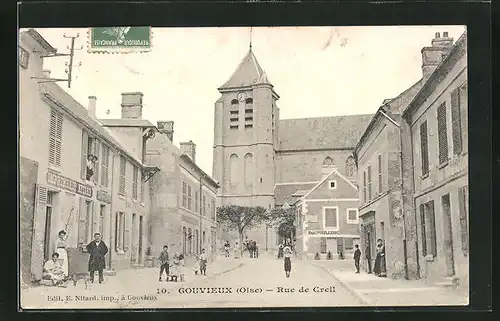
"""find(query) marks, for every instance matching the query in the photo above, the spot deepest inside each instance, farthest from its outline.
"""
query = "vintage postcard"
(308, 167)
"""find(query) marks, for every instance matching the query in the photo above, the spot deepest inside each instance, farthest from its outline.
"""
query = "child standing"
(203, 262)
(196, 265)
(164, 263)
(287, 253)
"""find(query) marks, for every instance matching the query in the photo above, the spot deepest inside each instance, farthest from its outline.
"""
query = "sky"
(317, 71)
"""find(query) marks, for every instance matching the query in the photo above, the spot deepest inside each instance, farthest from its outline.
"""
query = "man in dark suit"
(97, 250)
(357, 257)
(368, 257)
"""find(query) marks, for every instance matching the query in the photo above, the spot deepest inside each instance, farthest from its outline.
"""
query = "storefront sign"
(322, 233)
(68, 184)
(189, 220)
(103, 196)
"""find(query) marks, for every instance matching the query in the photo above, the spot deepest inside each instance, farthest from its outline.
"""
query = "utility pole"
(69, 65)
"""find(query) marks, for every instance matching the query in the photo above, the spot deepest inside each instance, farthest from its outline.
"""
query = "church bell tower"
(245, 135)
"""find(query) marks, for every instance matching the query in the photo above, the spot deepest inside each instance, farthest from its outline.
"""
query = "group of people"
(173, 268)
(379, 268)
(56, 269)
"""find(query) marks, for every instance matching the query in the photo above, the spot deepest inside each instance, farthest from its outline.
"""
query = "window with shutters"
(424, 148)
(55, 138)
(442, 134)
(184, 194)
(196, 202)
(203, 206)
(122, 179)
(380, 177)
(456, 128)
(97, 154)
(369, 187)
(104, 165)
(249, 113)
(463, 200)
(135, 178)
(422, 230)
(352, 216)
(234, 115)
(126, 233)
(330, 218)
(189, 198)
(364, 187)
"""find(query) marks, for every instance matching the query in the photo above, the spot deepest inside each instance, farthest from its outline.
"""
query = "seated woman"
(53, 270)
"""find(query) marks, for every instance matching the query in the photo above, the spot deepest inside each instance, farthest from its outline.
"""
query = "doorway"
(141, 226)
(448, 236)
(340, 247)
(47, 238)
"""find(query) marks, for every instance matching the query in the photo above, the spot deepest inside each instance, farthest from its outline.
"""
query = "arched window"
(234, 102)
(350, 166)
(234, 170)
(328, 161)
(248, 170)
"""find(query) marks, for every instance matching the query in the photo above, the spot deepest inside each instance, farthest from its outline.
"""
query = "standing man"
(357, 257)
(97, 250)
(368, 258)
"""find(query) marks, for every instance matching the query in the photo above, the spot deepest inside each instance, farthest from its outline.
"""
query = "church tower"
(246, 118)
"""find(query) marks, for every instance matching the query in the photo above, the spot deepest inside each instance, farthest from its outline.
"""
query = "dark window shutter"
(432, 225)
(456, 121)
(424, 148)
(442, 134)
(97, 153)
(116, 231)
(422, 230)
(85, 139)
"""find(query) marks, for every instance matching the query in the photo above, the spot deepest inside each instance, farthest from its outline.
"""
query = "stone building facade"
(395, 197)
(327, 216)
(438, 121)
(57, 135)
(256, 153)
(183, 208)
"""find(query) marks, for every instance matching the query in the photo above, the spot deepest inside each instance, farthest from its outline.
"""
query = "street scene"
(353, 192)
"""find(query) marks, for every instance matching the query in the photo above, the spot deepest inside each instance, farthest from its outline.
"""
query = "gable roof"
(334, 171)
(56, 95)
(44, 44)
(337, 132)
(458, 50)
(290, 193)
(248, 73)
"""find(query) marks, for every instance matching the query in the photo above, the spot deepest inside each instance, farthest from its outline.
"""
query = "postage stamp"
(293, 199)
(119, 39)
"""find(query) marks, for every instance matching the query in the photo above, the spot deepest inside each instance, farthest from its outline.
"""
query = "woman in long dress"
(287, 253)
(380, 268)
(61, 250)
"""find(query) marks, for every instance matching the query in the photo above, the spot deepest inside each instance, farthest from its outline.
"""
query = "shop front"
(330, 244)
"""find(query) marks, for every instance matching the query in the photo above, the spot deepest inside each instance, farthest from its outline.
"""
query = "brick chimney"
(92, 106)
(132, 105)
(189, 148)
(433, 55)
(166, 128)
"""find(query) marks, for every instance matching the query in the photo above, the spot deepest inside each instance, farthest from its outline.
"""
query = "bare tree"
(241, 218)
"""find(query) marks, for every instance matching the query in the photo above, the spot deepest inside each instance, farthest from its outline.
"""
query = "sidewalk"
(130, 282)
(376, 291)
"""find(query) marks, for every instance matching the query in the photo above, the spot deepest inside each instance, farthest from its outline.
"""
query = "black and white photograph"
(243, 167)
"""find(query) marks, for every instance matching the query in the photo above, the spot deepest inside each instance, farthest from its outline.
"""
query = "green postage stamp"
(119, 39)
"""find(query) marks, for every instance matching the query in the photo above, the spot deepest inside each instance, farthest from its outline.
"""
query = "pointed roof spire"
(248, 73)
